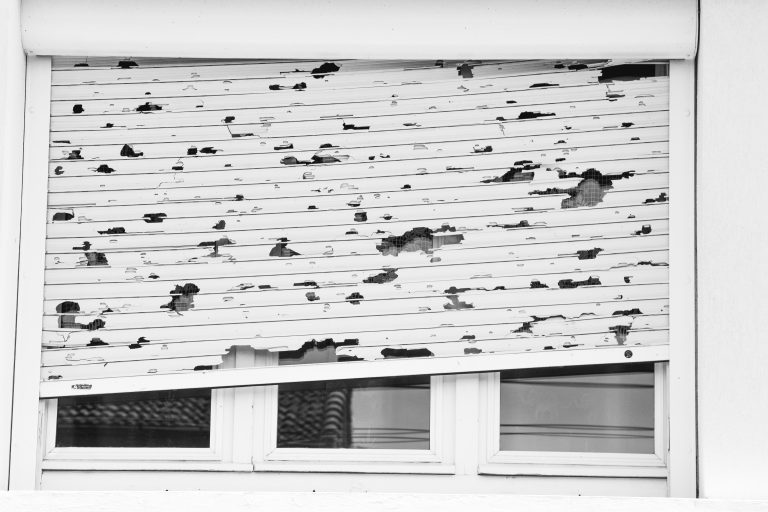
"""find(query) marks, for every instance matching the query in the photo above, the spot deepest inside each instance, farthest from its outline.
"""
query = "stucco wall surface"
(732, 117)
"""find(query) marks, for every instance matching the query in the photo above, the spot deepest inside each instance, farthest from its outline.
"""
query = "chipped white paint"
(446, 209)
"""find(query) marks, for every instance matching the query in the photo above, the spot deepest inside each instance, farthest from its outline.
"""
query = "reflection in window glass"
(391, 413)
(158, 419)
(607, 408)
(387, 413)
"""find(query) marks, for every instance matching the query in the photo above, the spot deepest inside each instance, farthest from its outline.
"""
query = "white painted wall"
(732, 245)
(732, 249)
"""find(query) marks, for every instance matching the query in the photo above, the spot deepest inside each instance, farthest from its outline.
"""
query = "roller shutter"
(420, 217)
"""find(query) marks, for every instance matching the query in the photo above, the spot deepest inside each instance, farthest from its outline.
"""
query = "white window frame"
(244, 422)
(217, 456)
(105, 458)
(494, 461)
(434, 460)
(27, 445)
(262, 425)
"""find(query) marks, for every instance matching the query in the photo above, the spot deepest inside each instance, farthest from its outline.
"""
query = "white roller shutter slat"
(469, 215)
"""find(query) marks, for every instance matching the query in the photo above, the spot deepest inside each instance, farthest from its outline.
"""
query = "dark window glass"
(386, 413)
(390, 413)
(157, 419)
(607, 408)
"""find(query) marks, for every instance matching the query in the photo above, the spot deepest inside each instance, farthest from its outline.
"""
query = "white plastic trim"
(682, 281)
(350, 29)
(79, 457)
(26, 425)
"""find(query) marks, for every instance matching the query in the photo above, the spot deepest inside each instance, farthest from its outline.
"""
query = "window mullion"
(242, 420)
(264, 413)
(467, 424)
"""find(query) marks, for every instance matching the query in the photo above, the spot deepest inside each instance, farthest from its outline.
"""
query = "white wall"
(732, 244)
(732, 248)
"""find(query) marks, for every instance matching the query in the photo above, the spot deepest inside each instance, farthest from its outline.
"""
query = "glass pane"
(158, 419)
(595, 409)
(389, 413)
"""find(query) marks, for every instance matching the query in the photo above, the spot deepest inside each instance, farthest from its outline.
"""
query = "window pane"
(595, 409)
(159, 419)
(391, 413)
(386, 413)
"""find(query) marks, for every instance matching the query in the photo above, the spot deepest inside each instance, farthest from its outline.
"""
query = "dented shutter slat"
(121, 256)
(457, 187)
(314, 213)
(333, 180)
(611, 267)
(358, 307)
(258, 123)
(445, 335)
(532, 223)
(399, 151)
(451, 349)
(389, 209)
(647, 284)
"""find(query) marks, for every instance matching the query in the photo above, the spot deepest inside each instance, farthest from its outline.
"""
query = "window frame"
(244, 422)
(437, 459)
(222, 437)
(266, 407)
(494, 461)
(76, 457)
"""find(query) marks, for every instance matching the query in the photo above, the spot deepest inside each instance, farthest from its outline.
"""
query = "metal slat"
(611, 269)
(395, 141)
(522, 220)
(556, 255)
(405, 206)
(491, 335)
(341, 192)
(263, 124)
(349, 71)
(508, 237)
(362, 102)
(320, 176)
(648, 337)
(647, 283)
(317, 327)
